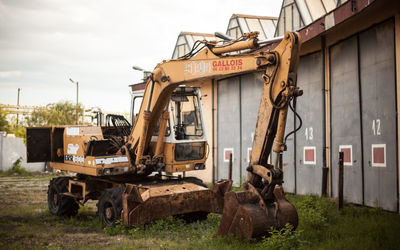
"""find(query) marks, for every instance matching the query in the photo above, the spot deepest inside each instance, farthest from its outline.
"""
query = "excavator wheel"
(59, 204)
(109, 206)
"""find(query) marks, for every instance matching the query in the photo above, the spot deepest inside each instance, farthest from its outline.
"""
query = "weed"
(313, 211)
(119, 228)
(17, 169)
(285, 238)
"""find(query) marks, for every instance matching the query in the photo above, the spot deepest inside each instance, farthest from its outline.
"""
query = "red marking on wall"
(378, 155)
(227, 154)
(347, 154)
(309, 155)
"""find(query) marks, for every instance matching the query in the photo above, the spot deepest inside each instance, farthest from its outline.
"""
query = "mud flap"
(246, 216)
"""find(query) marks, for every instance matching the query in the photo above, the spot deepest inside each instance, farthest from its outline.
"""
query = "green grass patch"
(354, 227)
(175, 233)
(26, 222)
(86, 220)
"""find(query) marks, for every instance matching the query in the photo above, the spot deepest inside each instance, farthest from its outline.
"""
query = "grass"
(354, 227)
(26, 223)
(174, 233)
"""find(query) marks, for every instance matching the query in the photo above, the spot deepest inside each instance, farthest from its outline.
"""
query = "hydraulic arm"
(210, 64)
(262, 204)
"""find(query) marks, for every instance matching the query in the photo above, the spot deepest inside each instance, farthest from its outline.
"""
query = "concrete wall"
(11, 149)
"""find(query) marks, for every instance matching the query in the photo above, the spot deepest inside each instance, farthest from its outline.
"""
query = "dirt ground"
(26, 223)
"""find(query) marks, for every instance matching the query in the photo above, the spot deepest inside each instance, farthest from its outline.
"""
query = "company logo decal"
(209, 67)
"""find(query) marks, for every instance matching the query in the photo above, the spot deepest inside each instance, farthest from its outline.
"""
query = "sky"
(44, 43)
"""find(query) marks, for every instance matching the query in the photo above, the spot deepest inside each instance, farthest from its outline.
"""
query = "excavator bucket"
(246, 215)
(142, 204)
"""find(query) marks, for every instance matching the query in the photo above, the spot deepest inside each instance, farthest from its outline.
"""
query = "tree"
(61, 113)
(4, 125)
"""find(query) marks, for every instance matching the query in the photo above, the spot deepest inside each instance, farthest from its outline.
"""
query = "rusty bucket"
(247, 215)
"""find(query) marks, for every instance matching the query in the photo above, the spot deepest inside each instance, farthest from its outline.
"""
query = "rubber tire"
(64, 206)
(110, 198)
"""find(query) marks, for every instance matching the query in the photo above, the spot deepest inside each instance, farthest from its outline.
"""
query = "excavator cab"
(185, 133)
(188, 133)
(186, 116)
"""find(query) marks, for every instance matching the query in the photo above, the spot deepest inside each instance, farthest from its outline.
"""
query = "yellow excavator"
(130, 169)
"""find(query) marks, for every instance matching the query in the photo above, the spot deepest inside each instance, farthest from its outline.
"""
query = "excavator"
(133, 170)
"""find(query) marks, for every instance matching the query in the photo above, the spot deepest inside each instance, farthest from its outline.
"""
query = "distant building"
(296, 14)
(240, 24)
(186, 40)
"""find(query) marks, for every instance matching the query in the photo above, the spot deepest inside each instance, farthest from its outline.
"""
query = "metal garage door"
(251, 89)
(309, 138)
(238, 102)
(229, 128)
(236, 126)
(345, 125)
(378, 96)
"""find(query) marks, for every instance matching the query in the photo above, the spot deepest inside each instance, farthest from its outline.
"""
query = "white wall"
(11, 149)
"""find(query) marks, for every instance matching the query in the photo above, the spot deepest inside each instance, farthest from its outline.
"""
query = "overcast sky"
(43, 43)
